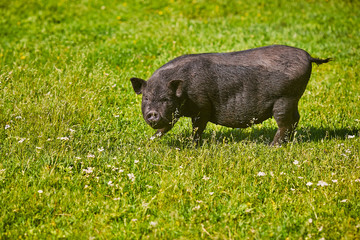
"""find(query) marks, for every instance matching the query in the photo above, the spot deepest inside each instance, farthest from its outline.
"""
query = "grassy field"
(76, 161)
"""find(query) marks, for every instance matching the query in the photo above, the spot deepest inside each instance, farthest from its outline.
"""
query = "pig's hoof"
(275, 144)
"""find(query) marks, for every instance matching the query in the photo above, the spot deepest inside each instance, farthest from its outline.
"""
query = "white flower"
(116, 116)
(38, 148)
(110, 183)
(334, 181)
(345, 200)
(351, 136)
(296, 162)
(282, 173)
(322, 183)
(88, 170)
(310, 220)
(101, 149)
(7, 126)
(357, 180)
(114, 85)
(131, 177)
(136, 161)
(196, 208)
(292, 189)
(134, 220)
(152, 137)
(90, 155)
(71, 130)
(309, 183)
(211, 193)
(261, 174)
(300, 177)
(148, 186)
(22, 140)
(116, 199)
(63, 138)
(40, 191)
(86, 186)
(153, 224)
(320, 228)
(18, 117)
(205, 178)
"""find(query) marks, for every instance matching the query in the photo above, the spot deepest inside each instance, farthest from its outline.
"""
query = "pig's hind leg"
(286, 114)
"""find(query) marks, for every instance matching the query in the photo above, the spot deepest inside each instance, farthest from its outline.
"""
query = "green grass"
(71, 125)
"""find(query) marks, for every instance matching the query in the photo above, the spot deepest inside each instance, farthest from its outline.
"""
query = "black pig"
(235, 89)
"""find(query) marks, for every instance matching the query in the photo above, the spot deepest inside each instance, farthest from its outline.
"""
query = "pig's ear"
(177, 87)
(138, 85)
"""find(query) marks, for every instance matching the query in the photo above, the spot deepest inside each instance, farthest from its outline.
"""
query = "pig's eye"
(146, 98)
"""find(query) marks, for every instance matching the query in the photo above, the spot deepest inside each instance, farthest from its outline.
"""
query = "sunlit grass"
(75, 156)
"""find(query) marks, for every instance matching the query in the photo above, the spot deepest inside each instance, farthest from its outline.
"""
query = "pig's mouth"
(156, 121)
(160, 124)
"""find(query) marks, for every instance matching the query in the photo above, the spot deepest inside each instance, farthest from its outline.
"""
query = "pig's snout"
(152, 117)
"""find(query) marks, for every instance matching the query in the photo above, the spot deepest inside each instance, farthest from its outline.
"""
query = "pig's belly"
(242, 115)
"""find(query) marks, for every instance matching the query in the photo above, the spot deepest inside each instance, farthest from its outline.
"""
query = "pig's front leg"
(199, 125)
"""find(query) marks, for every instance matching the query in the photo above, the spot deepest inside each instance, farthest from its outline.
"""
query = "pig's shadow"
(261, 136)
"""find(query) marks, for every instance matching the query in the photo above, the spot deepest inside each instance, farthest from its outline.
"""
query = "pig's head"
(160, 101)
